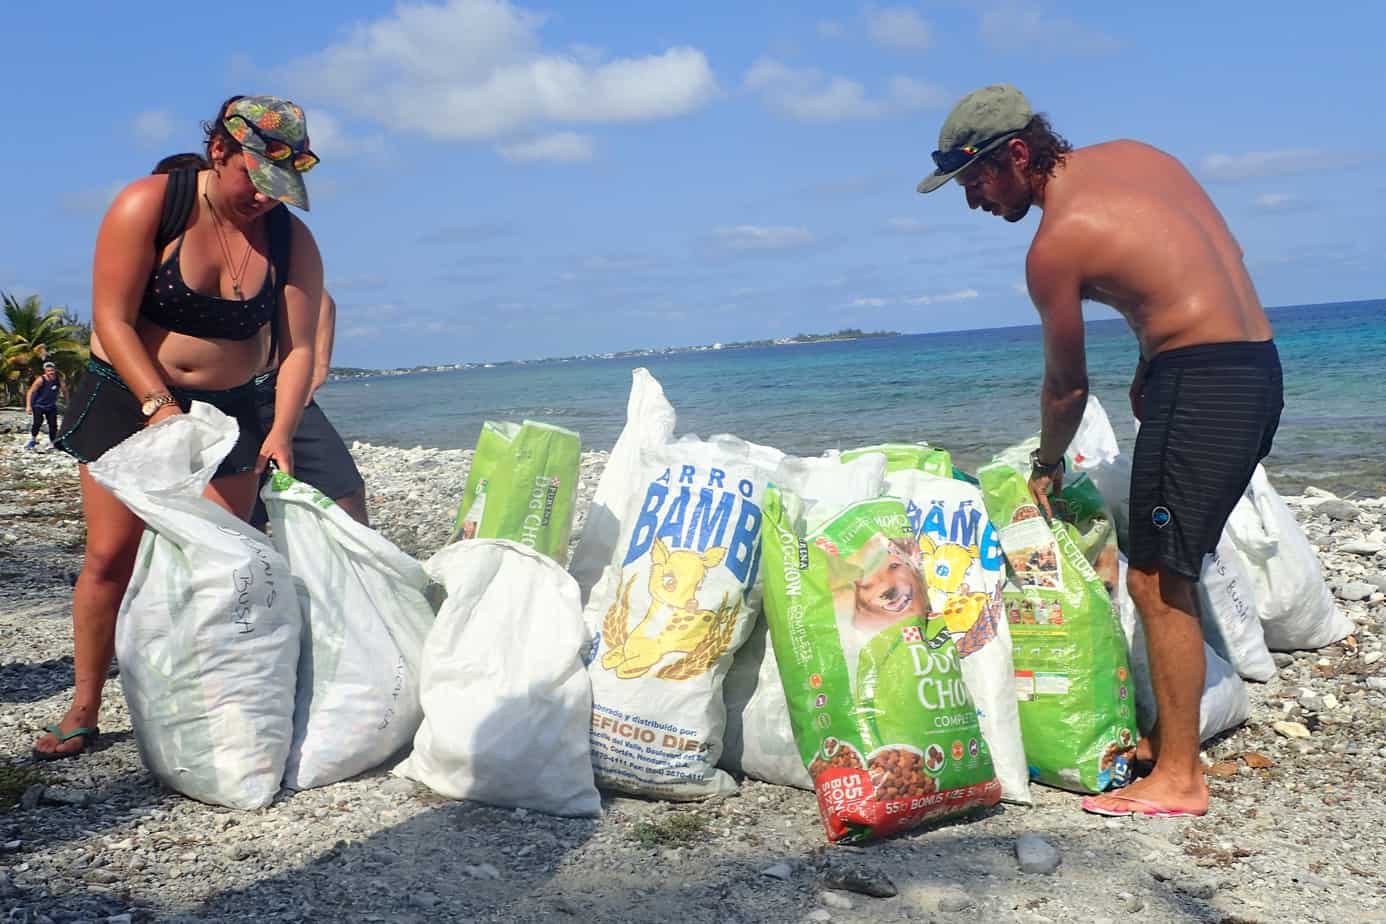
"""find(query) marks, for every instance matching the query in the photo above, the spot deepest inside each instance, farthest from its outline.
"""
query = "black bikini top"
(171, 304)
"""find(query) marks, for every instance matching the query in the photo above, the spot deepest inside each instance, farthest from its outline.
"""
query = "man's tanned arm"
(1055, 284)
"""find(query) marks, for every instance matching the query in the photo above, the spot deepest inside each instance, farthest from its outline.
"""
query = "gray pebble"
(955, 900)
(1130, 903)
(1036, 855)
(1282, 659)
(1355, 590)
(1360, 547)
(835, 900)
(778, 871)
(863, 882)
(1336, 509)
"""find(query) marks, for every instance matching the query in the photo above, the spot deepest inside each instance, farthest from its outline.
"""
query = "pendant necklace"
(236, 274)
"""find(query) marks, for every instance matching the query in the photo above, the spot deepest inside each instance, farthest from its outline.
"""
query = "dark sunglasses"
(276, 150)
(954, 160)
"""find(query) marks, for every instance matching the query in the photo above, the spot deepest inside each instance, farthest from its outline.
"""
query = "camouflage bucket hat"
(273, 135)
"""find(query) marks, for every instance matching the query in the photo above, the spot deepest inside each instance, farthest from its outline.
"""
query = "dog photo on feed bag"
(884, 721)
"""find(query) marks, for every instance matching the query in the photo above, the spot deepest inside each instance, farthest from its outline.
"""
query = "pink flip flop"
(1144, 809)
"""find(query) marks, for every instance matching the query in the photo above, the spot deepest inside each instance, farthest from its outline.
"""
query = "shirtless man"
(1126, 225)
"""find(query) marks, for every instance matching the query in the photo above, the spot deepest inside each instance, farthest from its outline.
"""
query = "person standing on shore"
(321, 457)
(42, 401)
(188, 268)
(1126, 225)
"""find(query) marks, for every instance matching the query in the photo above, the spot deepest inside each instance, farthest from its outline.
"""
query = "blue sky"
(504, 181)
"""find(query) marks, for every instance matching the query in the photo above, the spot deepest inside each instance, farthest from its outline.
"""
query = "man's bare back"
(1146, 240)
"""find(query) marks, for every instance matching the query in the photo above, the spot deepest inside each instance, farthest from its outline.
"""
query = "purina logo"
(1161, 516)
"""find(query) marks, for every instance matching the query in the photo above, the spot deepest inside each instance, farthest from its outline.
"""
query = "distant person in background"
(321, 457)
(189, 268)
(1126, 225)
(42, 401)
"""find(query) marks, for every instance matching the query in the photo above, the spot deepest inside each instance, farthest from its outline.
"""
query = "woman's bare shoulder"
(140, 203)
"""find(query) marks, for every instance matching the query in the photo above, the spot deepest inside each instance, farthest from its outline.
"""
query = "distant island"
(337, 373)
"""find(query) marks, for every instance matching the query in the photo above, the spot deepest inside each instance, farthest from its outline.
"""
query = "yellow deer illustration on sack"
(701, 636)
(945, 569)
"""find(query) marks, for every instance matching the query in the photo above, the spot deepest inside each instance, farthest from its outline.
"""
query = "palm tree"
(30, 336)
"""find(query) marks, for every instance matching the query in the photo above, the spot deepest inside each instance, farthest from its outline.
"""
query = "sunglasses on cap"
(958, 158)
(275, 150)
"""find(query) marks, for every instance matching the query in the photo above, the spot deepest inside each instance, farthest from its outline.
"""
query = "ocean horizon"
(973, 392)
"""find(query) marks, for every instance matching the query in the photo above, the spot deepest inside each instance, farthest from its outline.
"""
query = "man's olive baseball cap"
(979, 122)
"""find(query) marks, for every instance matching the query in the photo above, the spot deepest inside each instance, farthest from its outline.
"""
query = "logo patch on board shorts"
(1161, 517)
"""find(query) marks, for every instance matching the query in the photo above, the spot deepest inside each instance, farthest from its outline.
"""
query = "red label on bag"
(852, 811)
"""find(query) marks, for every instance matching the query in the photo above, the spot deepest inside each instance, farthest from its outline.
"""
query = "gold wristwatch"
(153, 401)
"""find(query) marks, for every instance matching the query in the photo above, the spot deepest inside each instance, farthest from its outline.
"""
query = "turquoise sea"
(973, 392)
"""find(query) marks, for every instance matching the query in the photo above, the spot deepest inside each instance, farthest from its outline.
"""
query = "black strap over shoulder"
(179, 198)
(281, 231)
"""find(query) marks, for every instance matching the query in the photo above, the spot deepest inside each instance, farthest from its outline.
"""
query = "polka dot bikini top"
(169, 303)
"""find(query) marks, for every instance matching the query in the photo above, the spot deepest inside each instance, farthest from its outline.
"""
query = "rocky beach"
(1297, 830)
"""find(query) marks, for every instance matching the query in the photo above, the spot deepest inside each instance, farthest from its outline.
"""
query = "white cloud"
(899, 28)
(563, 147)
(1276, 202)
(1259, 164)
(750, 238)
(330, 140)
(870, 302)
(809, 95)
(152, 127)
(911, 94)
(1025, 29)
(961, 295)
(475, 70)
(1020, 288)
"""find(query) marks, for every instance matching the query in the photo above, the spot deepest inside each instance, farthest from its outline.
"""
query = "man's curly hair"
(1047, 148)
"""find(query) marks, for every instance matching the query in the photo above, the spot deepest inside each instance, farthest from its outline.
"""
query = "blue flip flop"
(88, 736)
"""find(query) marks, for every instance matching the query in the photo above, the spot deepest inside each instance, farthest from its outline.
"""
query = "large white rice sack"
(1296, 609)
(1224, 704)
(1094, 450)
(208, 632)
(671, 615)
(649, 424)
(1227, 610)
(505, 697)
(365, 617)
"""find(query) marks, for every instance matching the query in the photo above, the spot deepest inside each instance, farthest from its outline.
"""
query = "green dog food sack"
(883, 720)
(1073, 680)
(521, 487)
(906, 456)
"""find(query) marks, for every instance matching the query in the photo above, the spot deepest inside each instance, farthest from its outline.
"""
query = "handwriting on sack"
(253, 582)
(672, 513)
